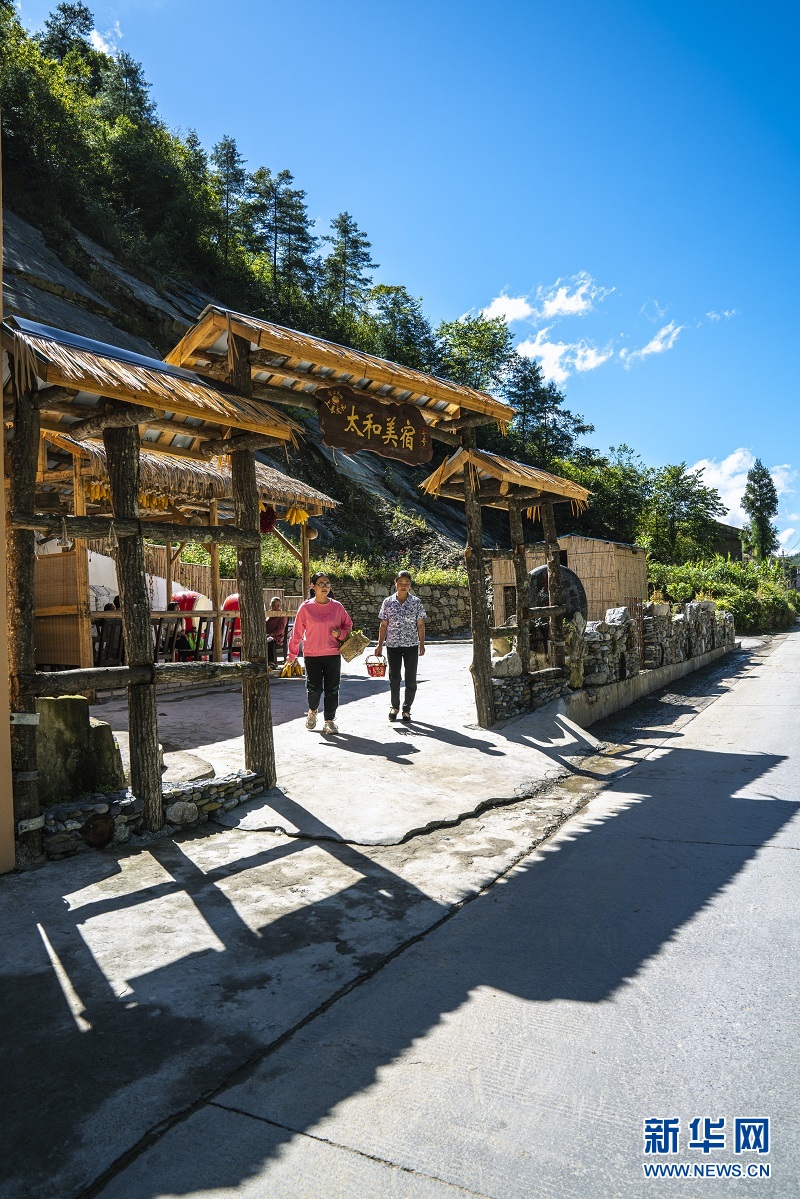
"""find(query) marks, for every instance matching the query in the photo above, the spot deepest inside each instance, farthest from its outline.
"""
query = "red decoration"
(268, 520)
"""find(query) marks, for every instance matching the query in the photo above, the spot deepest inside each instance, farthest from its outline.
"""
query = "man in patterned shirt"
(402, 618)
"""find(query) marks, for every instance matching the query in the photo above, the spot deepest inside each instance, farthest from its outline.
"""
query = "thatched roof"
(83, 373)
(184, 483)
(295, 363)
(501, 480)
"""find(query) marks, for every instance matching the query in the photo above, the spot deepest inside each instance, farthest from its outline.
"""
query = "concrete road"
(494, 1009)
(375, 783)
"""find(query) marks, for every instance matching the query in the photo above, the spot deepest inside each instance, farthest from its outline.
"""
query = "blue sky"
(620, 180)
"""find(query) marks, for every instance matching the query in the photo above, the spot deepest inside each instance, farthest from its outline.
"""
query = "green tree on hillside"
(760, 502)
(279, 229)
(402, 332)
(229, 182)
(543, 430)
(347, 269)
(678, 523)
(125, 92)
(476, 351)
(620, 484)
(67, 28)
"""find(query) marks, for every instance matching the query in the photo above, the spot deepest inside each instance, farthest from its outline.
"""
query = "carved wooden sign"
(352, 421)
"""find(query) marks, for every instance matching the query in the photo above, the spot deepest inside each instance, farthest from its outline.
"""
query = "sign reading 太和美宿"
(350, 421)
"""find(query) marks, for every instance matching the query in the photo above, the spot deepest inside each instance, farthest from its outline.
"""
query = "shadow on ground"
(538, 937)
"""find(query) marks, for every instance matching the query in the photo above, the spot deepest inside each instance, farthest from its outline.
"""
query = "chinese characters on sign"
(352, 421)
(750, 1135)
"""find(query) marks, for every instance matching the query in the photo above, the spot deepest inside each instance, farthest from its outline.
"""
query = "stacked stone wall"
(602, 652)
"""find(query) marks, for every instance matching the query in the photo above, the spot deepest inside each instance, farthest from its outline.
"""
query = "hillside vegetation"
(139, 226)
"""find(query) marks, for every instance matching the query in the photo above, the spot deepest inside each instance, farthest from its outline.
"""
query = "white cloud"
(783, 477)
(510, 308)
(560, 358)
(726, 314)
(730, 479)
(653, 311)
(106, 42)
(587, 357)
(786, 536)
(574, 296)
(664, 340)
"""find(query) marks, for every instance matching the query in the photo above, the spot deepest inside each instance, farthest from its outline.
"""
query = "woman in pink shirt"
(322, 625)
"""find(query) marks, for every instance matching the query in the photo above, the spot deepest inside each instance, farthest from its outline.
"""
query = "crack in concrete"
(381, 1161)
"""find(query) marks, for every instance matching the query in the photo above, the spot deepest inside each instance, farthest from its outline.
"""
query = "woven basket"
(376, 667)
(354, 646)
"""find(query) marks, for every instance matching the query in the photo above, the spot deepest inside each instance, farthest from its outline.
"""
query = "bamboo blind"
(609, 571)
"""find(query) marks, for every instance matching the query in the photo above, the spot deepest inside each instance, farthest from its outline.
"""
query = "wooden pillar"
(523, 583)
(259, 748)
(168, 573)
(554, 588)
(82, 572)
(23, 458)
(7, 857)
(305, 560)
(479, 614)
(216, 601)
(122, 456)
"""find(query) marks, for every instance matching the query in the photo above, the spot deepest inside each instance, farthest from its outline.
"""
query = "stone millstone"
(574, 594)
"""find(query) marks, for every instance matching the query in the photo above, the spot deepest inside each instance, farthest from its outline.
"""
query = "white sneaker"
(330, 727)
(311, 720)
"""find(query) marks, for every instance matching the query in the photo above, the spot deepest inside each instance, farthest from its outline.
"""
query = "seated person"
(276, 630)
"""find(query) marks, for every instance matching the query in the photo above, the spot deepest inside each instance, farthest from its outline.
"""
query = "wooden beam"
(290, 546)
(85, 648)
(6, 784)
(113, 416)
(123, 465)
(523, 584)
(110, 678)
(234, 445)
(160, 532)
(479, 617)
(51, 397)
(23, 454)
(471, 421)
(205, 332)
(259, 748)
(216, 645)
(304, 560)
(554, 586)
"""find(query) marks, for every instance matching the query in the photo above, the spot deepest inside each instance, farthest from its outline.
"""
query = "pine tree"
(402, 332)
(125, 91)
(67, 28)
(229, 180)
(346, 270)
(760, 502)
(279, 228)
(543, 429)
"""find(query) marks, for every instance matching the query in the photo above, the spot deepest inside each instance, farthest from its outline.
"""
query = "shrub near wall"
(755, 593)
(447, 608)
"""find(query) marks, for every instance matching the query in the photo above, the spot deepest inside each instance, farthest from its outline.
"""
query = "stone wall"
(447, 607)
(601, 653)
(102, 819)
